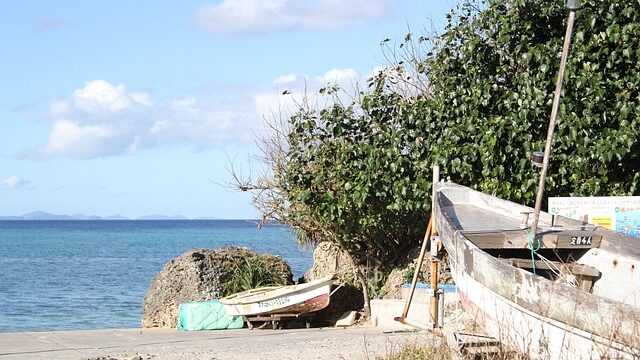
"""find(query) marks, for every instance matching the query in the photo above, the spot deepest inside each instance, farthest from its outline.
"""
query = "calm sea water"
(60, 275)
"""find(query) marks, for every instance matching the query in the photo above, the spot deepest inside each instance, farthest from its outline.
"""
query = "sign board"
(619, 213)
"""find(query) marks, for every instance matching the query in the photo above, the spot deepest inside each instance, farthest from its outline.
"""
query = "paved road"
(318, 343)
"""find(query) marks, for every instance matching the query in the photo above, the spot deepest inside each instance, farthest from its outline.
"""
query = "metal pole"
(554, 113)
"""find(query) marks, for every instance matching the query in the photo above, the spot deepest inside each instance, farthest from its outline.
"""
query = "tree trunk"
(365, 292)
(363, 284)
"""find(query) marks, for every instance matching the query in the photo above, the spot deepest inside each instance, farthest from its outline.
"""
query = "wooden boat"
(578, 298)
(292, 299)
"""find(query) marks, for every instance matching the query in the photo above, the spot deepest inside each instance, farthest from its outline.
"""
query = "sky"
(139, 107)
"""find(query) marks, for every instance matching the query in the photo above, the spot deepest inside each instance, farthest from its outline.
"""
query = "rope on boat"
(336, 289)
(530, 239)
(560, 275)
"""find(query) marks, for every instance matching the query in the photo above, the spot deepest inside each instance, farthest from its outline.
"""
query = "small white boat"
(293, 299)
(577, 298)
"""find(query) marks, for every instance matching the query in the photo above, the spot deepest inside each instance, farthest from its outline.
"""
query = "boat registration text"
(581, 240)
(275, 302)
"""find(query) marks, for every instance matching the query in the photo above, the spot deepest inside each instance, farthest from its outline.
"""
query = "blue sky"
(134, 107)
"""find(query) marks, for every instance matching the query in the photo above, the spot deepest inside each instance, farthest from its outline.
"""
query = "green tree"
(475, 100)
(493, 74)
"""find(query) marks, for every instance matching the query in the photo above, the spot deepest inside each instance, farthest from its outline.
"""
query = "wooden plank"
(574, 269)
(571, 239)
(560, 239)
(278, 317)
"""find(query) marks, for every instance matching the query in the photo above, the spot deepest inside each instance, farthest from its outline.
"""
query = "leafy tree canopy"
(475, 100)
(493, 74)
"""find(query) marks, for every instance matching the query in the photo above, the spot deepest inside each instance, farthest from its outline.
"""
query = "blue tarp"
(448, 288)
(206, 315)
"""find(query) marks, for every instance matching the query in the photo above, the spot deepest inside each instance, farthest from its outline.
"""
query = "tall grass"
(247, 275)
(419, 351)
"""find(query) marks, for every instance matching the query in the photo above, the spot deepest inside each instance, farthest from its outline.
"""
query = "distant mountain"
(41, 215)
(115, 217)
(162, 217)
(10, 218)
(85, 217)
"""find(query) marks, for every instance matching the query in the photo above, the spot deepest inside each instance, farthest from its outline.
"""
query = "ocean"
(85, 274)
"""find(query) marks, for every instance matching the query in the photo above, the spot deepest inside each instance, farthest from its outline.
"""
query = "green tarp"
(206, 315)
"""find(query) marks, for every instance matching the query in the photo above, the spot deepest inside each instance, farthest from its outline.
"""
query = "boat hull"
(528, 313)
(294, 299)
(531, 333)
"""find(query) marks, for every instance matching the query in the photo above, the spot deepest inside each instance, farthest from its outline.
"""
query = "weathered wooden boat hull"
(314, 304)
(534, 315)
(294, 299)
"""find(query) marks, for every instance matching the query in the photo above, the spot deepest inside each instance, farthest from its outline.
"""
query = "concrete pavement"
(357, 342)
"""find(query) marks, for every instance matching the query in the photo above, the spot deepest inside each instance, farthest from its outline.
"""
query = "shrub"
(249, 275)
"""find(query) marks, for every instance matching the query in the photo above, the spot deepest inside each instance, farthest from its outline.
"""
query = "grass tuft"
(249, 275)
(415, 351)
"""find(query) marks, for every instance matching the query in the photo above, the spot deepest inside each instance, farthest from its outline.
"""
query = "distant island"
(41, 215)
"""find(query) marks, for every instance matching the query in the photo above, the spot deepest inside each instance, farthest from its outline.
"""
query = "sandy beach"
(358, 342)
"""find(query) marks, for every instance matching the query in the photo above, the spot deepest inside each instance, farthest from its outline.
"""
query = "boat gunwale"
(559, 294)
(272, 292)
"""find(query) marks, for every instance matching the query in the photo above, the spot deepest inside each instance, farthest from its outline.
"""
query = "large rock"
(330, 259)
(199, 275)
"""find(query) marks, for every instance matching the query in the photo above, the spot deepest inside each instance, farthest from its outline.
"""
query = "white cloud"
(286, 79)
(99, 96)
(141, 98)
(242, 17)
(104, 119)
(13, 182)
(294, 89)
(270, 103)
(59, 107)
(185, 104)
(78, 141)
(338, 75)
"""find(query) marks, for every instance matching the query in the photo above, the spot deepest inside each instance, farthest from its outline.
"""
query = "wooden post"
(423, 250)
(433, 308)
(552, 121)
(434, 263)
(434, 181)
